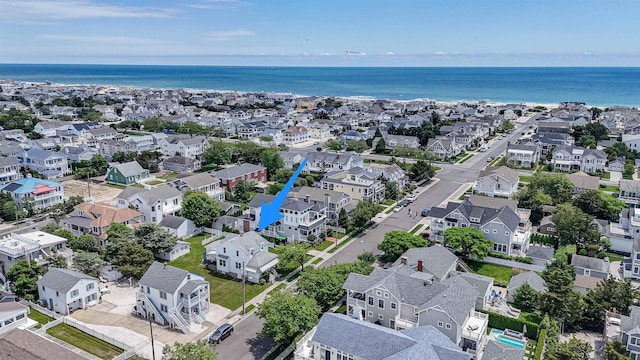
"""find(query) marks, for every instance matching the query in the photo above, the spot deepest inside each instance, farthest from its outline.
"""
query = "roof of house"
(505, 214)
(501, 171)
(28, 185)
(152, 195)
(631, 324)
(630, 185)
(27, 345)
(62, 280)
(540, 252)
(36, 153)
(530, 277)
(295, 205)
(257, 201)
(528, 146)
(436, 260)
(492, 202)
(586, 262)
(248, 240)
(180, 160)
(372, 342)
(102, 130)
(196, 180)
(8, 161)
(128, 169)
(237, 171)
(586, 282)
(172, 221)
(262, 258)
(102, 215)
(163, 277)
(317, 194)
(479, 282)
(583, 180)
(498, 351)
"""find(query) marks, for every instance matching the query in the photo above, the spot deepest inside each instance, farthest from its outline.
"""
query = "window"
(163, 295)
(440, 324)
(237, 253)
(224, 250)
(381, 303)
(222, 262)
(486, 231)
(57, 294)
(74, 293)
(386, 295)
(634, 341)
(495, 231)
(378, 293)
(506, 233)
(163, 308)
(370, 301)
(370, 314)
(380, 317)
(238, 265)
(89, 286)
(393, 306)
(448, 326)
(587, 272)
(19, 316)
(148, 289)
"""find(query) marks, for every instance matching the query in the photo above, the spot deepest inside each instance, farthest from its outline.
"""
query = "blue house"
(42, 193)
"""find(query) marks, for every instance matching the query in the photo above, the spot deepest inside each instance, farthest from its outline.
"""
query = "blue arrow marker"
(271, 213)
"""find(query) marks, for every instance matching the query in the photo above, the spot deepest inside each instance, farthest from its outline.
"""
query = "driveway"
(615, 176)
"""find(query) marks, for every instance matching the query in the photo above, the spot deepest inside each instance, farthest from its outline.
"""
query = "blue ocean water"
(595, 86)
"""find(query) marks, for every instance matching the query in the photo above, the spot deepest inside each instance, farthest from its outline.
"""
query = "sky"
(322, 32)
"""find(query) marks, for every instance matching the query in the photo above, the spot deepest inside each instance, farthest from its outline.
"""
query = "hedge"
(512, 258)
(502, 322)
(545, 239)
(540, 346)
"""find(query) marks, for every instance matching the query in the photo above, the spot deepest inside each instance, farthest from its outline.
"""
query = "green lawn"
(525, 178)
(224, 291)
(416, 228)
(533, 317)
(169, 176)
(614, 256)
(84, 341)
(607, 175)
(562, 251)
(389, 210)
(285, 270)
(610, 188)
(249, 308)
(437, 168)
(116, 186)
(501, 274)
(495, 161)
(317, 260)
(324, 245)
(388, 202)
(154, 182)
(39, 317)
(277, 289)
(464, 159)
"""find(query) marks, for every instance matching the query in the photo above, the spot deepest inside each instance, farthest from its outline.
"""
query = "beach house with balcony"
(568, 158)
(48, 163)
(154, 204)
(40, 193)
(96, 219)
(497, 181)
(65, 290)
(301, 219)
(629, 191)
(12, 315)
(202, 182)
(509, 229)
(173, 297)
(318, 161)
(38, 246)
(295, 135)
(400, 299)
(524, 155)
(626, 329)
(358, 183)
(333, 201)
(9, 170)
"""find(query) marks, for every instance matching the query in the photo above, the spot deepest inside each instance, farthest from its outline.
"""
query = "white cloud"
(390, 53)
(440, 53)
(228, 35)
(75, 9)
(102, 39)
(219, 4)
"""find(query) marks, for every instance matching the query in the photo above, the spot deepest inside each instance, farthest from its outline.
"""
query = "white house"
(154, 203)
(184, 145)
(524, 155)
(179, 227)
(295, 135)
(9, 169)
(65, 290)
(248, 251)
(171, 296)
(179, 249)
(37, 245)
(497, 181)
(12, 315)
(319, 131)
(202, 182)
(47, 163)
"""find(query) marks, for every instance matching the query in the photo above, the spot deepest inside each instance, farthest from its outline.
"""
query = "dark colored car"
(425, 212)
(221, 333)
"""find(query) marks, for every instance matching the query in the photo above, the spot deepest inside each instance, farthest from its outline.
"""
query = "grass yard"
(495, 161)
(501, 274)
(415, 229)
(469, 191)
(286, 270)
(316, 261)
(607, 175)
(169, 176)
(563, 250)
(388, 202)
(610, 188)
(224, 291)
(277, 289)
(41, 318)
(525, 179)
(464, 159)
(116, 186)
(533, 317)
(324, 245)
(614, 256)
(154, 182)
(389, 210)
(84, 341)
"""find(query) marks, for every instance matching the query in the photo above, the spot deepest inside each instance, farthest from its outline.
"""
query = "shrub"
(545, 239)
(512, 258)
(540, 346)
(583, 252)
(503, 322)
(601, 255)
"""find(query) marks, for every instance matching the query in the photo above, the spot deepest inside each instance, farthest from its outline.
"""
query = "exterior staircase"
(178, 320)
(155, 308)
(464, 266)
(198, 318)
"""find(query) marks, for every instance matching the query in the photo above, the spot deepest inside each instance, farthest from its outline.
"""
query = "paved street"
(453, 179)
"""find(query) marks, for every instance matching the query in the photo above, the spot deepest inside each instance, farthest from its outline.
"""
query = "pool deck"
(493, 336)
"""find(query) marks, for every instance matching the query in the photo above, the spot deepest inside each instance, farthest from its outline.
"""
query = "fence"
(515, 264)
(44, 310)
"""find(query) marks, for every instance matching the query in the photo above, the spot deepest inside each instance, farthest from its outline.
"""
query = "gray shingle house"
(340, 337)
(498, 351)
(530, 277)
(435, 260)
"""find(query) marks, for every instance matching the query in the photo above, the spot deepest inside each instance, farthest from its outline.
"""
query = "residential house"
(626, 329)
(395, 141)
(333, 201)
(246, 172)
(541, 255)
(631, 140)
(631, 265)
(557, 127)
(181, 164)
(142, 142)
(179, 226)
(621, 234)
(582, 182)
(95, 136)
(318, 161)
(109, 147)
(358, 183)
(38, 246)
(247, 254)
(435, 260)
(126, 173)
(291, 159)
(26, 344)
(276, 136)
(353, 135)
(617, 164)
(508, 229)
(179, 249)
(589, 271)
(12, 315)
(154, 203)
(250, 129)
(392, 173)
(9, 170)
(202, 182)
(495, 350)
(43, 144)
(295, 135)
(529, 277)
(524, 155)
(76, 154)
(443, 148)
(10, 149)
(340, 337)
(65, 290)
(40, 193)
(48, 128)
(548, 141)
(184, 145)
(567, 158)
(96, 219)
(171, 296)
(48, 163)
(301, 220)
(630, 191)
(319, 131)
(400, 300)
(497, 181)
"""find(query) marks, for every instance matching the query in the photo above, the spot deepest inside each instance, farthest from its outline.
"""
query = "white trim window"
(440, 323)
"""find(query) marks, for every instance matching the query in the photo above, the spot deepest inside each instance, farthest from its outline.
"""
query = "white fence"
(515, 264)
(45, 311)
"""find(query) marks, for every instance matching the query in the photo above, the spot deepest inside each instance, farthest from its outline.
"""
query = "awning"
(41, 189)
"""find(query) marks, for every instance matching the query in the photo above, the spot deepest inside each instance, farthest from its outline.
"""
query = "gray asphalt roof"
(181, 160)
(540, 252)
(172, 221)
(479, 282)
(248, 240)
(436, 260)
(196, 180)
(262, 258)
(159, 193)
(628, 323)
(295, 205)
(589, 263)
(256, 202)
(8, 161)
(504, 214)
(373, 342)
(62, 280)
(131, 168)
(492, 202)
(530, 277)
(163, 277)
(237, 171)
(497, 351)
(191, 285)
(317, 194)
(501, 171)
(457, 300)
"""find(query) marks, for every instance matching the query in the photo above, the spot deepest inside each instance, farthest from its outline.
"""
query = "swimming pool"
(520, 344)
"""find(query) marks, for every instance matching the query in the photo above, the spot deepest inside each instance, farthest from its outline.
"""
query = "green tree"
(324, 285)
(421, 170)
(381, 146)
(23, 276)
(525, 298)
(616, 350)
(599, 204)
(89, 263)
(200, 350)
(574, 349)
(556, 185)
(217, 153)
(610, 294)
(506, 126)
(72, 202)
(273, 189)
(358, 146)
(152, 237)
(271, 160)
(241, 191)
(391, 190)
(287, 316)
(335, 145)
(9, 210)
(86, 243)
(530, 198)
(363, 213)
(378, 133)
(467, 240)
(343, 218)
(57, 262)
(123, 157)
(200, 208)
(367, 257)
(293, 252)
(133, 260)
(561, 301)
(575, 227)
(396, 242)
(248, 151)
(587, 141)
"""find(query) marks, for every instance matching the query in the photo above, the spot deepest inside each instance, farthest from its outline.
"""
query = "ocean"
(599, 86)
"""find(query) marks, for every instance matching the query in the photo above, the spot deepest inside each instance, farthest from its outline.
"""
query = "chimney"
(420, 265)
(307, 198)
(327, 200)
(403, 260)
(246, 225)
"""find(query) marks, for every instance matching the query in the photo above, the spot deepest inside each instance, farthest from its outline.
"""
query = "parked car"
(404, 202)
(221, 333)
(425, 212)
(29, 222)
(490, 158)
(411, 198)
(397, 208)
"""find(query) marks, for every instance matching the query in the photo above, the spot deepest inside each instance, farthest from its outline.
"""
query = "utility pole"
(88, 185)
(153, 349)
(243, 285)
